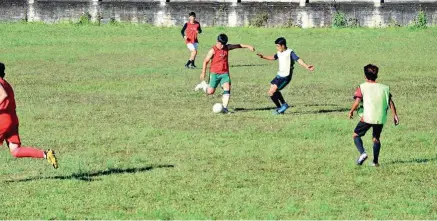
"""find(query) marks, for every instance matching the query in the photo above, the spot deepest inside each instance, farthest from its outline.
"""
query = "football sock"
(275, 100)
(359, 144)
(280, 97)
(376, 148)
(226, 96)
(188, 62)
(27, 152)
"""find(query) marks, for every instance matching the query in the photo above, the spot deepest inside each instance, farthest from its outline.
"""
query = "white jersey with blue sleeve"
(286, 59)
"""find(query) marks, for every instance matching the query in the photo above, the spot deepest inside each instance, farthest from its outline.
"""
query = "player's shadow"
(320, 111)
(241, 109)
(416, 160)
(91, 176)
(246, 65)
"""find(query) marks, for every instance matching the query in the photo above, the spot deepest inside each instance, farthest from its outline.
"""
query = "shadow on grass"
(246, 65)
(417, 160)
(321, 111)
(91, 176)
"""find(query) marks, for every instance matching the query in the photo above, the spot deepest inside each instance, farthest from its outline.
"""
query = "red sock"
(28, 152)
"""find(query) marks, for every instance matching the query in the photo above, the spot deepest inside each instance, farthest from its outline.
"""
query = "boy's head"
(192, 16)
(222, 40)
(371, 72)
(281, 44)
(2, 70)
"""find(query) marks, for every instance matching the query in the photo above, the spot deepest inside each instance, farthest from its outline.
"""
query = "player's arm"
(236, 46)
(270, 58)
(355, 105)
(205, 63)
(3, 94)
(301, 62)
(183, 31)
(393, 111)
(199, 29)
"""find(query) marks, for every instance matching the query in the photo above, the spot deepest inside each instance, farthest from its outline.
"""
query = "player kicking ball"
(219, 69)
(286, 58)
(9, 125)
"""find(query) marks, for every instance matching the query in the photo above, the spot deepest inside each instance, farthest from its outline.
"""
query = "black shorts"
(281, 82)
(363, 127)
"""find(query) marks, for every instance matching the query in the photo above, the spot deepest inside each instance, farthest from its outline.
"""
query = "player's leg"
(225, 81)
(282, 83)
(377, 129)
(190, 47)
(273, 96)
(360, 130)
(214, 81)
(193, 55)
(18, 151)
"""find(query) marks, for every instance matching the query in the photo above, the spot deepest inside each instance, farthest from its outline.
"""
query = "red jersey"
(219, 63)
(191, 31)
(8, 105)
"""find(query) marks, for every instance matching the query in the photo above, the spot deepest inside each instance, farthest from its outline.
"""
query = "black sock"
(280, 97)
(192, 63)
(188, 62)
(359, 144)
(275, 100)
(376, 148)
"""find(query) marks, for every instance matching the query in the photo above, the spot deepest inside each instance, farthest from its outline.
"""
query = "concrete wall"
(303, 13)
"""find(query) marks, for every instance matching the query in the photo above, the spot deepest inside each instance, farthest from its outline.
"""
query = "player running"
(219, 69)
(372, 101)
(189, 33)
(287, 58)
(9, 125)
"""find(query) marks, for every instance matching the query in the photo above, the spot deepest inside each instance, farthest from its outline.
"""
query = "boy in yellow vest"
(372, 101)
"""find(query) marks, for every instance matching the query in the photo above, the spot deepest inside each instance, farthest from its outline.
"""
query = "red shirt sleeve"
(358, 93)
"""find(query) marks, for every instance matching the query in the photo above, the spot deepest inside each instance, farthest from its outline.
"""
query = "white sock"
(226, 98)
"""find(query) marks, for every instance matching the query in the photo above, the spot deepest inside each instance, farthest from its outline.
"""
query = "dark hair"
(2, 70)
(371, 72)
(222, 38)
(192, 14)
(281, 41)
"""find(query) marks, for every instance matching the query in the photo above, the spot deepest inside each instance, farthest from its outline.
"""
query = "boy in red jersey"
(9, 125)
(219, 70)
(189, 33)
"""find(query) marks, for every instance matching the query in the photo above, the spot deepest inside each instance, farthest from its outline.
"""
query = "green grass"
(135, 141)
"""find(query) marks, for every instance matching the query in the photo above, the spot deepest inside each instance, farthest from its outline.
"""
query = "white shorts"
(192, 46)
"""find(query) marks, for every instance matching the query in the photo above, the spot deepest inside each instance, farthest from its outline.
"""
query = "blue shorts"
(281, 82)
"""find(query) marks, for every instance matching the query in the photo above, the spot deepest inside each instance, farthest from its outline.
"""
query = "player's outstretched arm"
(205, 63)
(394, 112)
(270, 58)
(306, 66)
(354, 107)
(235, 46)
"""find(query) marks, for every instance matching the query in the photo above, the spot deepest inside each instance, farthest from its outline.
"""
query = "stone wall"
(303, 13)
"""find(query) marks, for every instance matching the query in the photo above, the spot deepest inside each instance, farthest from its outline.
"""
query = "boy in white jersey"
(286, 58)
(372, 100)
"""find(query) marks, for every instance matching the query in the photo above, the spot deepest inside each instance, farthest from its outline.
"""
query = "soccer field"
(134, 141)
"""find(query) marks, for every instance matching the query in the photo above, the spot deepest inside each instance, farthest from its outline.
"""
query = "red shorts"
(9, 129)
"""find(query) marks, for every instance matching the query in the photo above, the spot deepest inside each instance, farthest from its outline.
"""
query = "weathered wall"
(305, 13)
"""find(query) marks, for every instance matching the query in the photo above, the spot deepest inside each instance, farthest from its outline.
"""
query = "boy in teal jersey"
(372, 101)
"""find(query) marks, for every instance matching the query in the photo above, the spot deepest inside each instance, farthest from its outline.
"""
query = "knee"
(375, 140)
(210, 91)
(271, 92)
(355, 135)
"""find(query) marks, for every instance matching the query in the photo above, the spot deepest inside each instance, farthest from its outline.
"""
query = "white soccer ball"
(217, 108)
